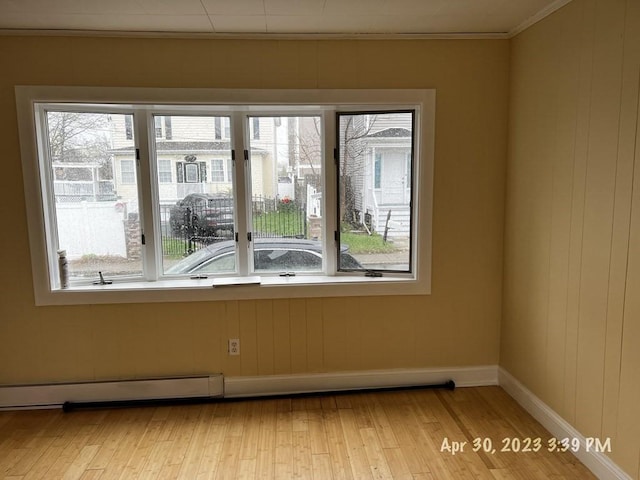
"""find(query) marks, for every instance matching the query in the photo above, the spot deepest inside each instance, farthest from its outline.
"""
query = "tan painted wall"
(457, 325)
(571, 319)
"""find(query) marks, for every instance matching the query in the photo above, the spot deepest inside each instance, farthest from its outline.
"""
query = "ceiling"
(388, 17)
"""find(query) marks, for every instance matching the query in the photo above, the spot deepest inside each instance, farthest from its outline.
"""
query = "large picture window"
(148, 196)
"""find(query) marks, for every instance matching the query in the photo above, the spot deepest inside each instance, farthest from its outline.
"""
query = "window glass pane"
(196, 204)
(219, 264)
(95, 193)
(375, 151)
(281, 258)
(164, 171)
(217, 170)
(127, 171)
(286, 189)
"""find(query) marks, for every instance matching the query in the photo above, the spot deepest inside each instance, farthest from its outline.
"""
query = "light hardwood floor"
(359, 436)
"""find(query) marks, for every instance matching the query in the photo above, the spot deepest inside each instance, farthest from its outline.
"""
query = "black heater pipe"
(154, 402)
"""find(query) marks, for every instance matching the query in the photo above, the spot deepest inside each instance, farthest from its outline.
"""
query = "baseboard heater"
(190, 390)
(173, 389)
(69, 406)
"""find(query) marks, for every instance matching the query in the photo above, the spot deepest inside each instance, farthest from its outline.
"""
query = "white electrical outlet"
(234, 346)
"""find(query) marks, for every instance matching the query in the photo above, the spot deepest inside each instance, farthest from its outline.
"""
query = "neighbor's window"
(222, 128)
(128, 127)
(326, 194)
(127, 171)
(217, 170)
(164, 171)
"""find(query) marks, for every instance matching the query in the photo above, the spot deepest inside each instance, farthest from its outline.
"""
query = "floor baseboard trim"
(14, 397)
(271, 385)
(599, 463)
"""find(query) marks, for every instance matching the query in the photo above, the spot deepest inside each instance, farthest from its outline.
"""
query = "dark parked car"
(203, 214)
(270, 255)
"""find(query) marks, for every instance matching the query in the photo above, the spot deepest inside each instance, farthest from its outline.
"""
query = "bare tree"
(309, 148)
(353, 145)
(76, 137)
(354, 130)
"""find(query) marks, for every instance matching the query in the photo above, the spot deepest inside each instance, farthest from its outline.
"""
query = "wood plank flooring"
(396, 435)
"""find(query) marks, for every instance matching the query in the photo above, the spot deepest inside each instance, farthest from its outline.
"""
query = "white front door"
(392, 183)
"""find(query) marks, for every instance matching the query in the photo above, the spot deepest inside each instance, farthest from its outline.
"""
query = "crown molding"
(255, 36)
(545, 12)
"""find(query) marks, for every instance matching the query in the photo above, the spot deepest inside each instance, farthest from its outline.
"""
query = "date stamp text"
(526, 445)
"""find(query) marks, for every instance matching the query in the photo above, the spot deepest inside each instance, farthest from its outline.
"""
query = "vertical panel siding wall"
(571, 319)
(458, 324)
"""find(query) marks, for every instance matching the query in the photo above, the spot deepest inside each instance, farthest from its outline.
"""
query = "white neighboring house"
(380, 172)
(193, 155)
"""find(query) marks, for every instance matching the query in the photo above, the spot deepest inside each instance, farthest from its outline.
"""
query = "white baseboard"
(55, 395)
(325, 382)
(601, 465)
(208, 386)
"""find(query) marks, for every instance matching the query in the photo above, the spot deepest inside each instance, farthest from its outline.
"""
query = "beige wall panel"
(578, 71)
(315, 350)
(458, 324)
(528, 206)
(248, 336)
(235, 64)
(627, 415)
(52, 69)
(582, 13)
(430, 327)
(281, 337)
(621, 224)
(107, 356)
(545, 183)
(384, 343)
(264, 337)
(627, 442)
(562, 158)
(598, 213)
(336, 343)
(209, 339)
(298, 327)
(232, 363)
(354, 320)
(338, 65)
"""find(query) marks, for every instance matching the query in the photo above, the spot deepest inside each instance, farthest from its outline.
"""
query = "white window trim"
(167, 290)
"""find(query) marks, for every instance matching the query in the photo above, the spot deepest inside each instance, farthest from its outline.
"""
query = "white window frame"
(159, 289)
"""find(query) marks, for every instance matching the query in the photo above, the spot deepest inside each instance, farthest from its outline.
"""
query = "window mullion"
(143, 124)
(241, 190)
(48, 196)
(329, 199)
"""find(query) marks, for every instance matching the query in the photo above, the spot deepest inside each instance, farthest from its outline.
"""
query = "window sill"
(245, 288)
